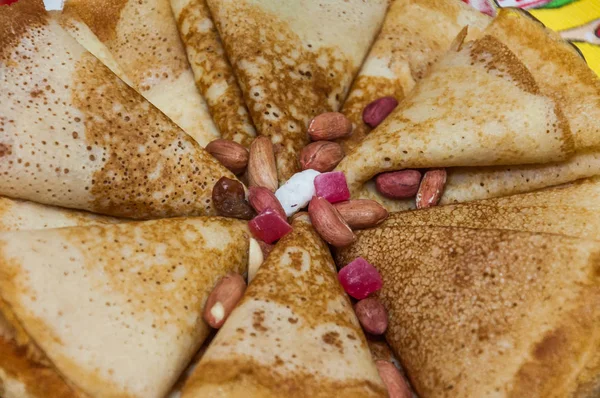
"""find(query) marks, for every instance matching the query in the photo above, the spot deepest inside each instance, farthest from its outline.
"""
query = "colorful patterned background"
(576, 20)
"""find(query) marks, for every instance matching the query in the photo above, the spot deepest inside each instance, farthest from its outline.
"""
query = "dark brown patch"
(258, 317)
(551, 345)
(497, 57)
(5, 149)
(333, 338)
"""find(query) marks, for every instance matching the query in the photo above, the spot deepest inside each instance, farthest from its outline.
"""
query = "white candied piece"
(297, 191)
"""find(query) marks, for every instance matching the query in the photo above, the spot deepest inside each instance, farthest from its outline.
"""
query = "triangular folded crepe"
(294, 334)
(572, 210)
(479, 106)
(560, 73)
(214, 76)
(295, 60)
(20, 215)
(414, 35)
(74, 135)
(109, 310)
(482, 313)
(143, 39)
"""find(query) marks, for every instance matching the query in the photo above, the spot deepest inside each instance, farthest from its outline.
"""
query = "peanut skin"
(223, 299)
(394, 381)
(372, 315)
(401, 184)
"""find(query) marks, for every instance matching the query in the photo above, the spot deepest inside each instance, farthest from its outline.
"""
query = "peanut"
(262, 170)
(329, 223)
(231, 154)
(361, 213)
(394, 381)
(372, 315)
(322, 156)
(401, 184)
(431, 188)
(329, 126)
(378, 110)
(223, 299)
(261, 198)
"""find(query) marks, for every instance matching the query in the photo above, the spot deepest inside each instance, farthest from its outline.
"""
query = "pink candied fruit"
(269, 226)
(360, 279)
(332, 186)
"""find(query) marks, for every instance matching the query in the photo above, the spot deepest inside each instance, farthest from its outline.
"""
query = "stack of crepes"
(499, 297)
(513, 96)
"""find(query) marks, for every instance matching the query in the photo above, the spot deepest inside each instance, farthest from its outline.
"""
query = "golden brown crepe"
(74, 135)
(214, 76)
(414, 35)
(571, 210)
(479, 106)
(111, 310)
(143, 39)
(20, 215)
(295, 60)
(481, 313)
(294, 334)
(561, 73)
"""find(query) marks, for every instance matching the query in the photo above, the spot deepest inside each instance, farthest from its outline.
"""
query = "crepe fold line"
(298, 65)
(111, 310)
(142, 38)
(488, 312)
(478, 106)
(571, 210)
(293, 334)
(212, 70)
(415, 33)
(74, 135)
(21, 215)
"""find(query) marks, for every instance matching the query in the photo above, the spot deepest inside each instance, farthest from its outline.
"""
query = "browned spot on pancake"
(333, 338)
(273, 382)
(5, 149)
(497, 57)
(550, 346)
(209, 57)
(140, 34)
(36, 93)
(285, 81)
(149, 166)
(258, 317)
(366, 89)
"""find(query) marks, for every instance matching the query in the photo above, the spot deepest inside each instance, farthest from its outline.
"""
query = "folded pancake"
(560, 73)
(295, 60)
(414, 35)
(142, 37)
(112, 310)
(294, 334)
(571, 210)
(479, 106)
(72, 134)
(21, 215)
(213, 73)
(489, 313)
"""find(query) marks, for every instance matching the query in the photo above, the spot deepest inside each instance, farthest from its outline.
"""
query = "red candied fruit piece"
(269, 226)
(332, 186)
(360, 279)
(7, 2)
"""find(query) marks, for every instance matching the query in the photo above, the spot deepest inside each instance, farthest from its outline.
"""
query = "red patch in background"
(7, 2)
